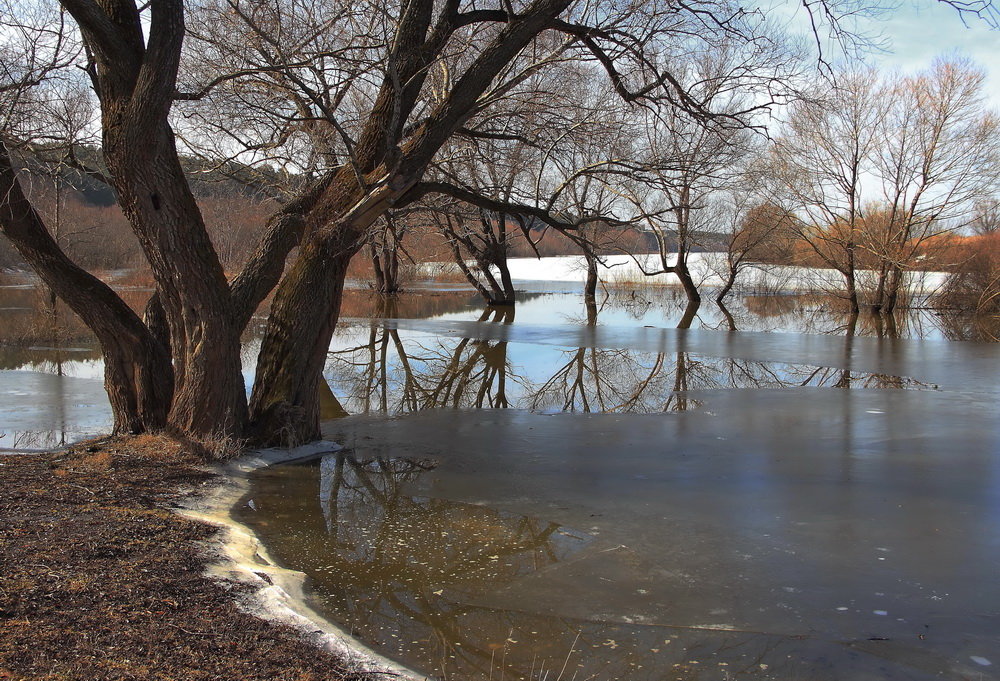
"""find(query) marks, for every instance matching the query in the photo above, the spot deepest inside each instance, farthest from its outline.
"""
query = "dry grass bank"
(101, 580)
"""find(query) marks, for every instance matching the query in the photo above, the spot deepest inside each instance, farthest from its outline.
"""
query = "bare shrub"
(975, 284)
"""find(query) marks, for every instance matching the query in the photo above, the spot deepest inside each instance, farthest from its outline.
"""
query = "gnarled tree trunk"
(285, 404)
(209, 395)
(285, 407)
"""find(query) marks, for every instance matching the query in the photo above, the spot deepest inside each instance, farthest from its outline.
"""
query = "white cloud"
(916, 33)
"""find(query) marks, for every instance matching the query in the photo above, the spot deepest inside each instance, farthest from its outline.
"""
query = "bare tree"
(521, 175)
(38, 47)
(986, 217)
(940, 155)
(881, 167)
(821, 161)
(385, 245)
(759, 233)
(355, 102)
(480, 242)
(684, 163)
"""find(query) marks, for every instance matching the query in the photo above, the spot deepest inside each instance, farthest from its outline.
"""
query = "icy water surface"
(50, 397)
(652, 503)
(51, 372)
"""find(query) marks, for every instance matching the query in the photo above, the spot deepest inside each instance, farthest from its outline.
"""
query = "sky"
(914, 33)
(919, 31)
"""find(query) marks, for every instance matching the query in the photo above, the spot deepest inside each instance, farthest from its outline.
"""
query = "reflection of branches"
(956, 325)
(386, 376)
(628, 382)
(687, 371)
(477, 378)
(473, 373)
(407, 564)
(591, 380)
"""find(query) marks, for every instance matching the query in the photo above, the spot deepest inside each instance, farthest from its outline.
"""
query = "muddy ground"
(100, 580)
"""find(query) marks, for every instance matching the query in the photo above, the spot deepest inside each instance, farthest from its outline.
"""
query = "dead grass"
(102, 581)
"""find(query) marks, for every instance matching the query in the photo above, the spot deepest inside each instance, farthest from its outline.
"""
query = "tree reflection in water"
(394, 373)
(465, 591)
(407, 569)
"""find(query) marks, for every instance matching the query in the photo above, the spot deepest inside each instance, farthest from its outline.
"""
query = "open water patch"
(810, 545)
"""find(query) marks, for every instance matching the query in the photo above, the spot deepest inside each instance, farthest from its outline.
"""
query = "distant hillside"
(207, 180)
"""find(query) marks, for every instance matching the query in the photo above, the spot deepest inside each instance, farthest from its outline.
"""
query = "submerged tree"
(385, 246)
(685, 163)
(756, 233)
(883, 166)
(940, 157)
(480, 242)
(821, 161)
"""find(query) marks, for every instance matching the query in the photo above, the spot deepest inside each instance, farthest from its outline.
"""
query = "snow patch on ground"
(706, 270)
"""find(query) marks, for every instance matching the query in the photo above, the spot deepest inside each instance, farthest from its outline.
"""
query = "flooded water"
(556, 500)
(772, 491)
(51, 372)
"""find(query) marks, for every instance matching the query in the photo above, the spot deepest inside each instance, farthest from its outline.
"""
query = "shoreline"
(280, 594)
(119, 563)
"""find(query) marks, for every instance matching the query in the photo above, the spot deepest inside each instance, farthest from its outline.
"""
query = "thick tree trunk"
(209, 394)
(285, 406)
(134, 72)
(137, 371)
(264, 268)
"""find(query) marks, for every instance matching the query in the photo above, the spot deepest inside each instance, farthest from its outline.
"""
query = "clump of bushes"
(975, 282)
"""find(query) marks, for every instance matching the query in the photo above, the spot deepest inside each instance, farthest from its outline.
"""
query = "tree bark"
(284, 407)
(209, 395)
(509, 296)
(879, 299)
(850, 277)
(380, 280)
(135, 78)
(137, 371)
(590, 286)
